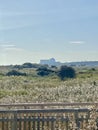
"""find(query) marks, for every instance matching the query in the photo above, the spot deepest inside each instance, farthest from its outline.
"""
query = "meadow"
(34, 88)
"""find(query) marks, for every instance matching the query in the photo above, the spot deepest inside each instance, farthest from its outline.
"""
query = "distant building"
(53, 62)
(50, 62)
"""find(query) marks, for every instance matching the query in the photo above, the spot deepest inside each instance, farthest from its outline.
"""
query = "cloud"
(7, 45)
(15, 49)
(11, 27)
(11, 48)
(77, 42)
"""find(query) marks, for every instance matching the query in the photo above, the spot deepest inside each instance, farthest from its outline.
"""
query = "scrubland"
(33, 88)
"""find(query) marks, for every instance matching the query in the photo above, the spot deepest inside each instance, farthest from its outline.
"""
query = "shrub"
(15, 73)
(66, 72)
(27, 65)
(43, 71)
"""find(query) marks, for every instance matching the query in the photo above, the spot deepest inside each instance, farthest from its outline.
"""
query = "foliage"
(15, 73)
(26, 65)
(30, 65)
(66, 72)
(48, 88)
(93, 69)
(43, 71)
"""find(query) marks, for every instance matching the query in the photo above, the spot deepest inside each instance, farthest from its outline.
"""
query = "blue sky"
(31, 30)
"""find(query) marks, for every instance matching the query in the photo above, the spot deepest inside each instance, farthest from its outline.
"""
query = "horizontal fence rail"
(46, 105)
(45, 119)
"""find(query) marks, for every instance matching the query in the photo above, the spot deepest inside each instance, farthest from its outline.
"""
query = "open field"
(33, 88)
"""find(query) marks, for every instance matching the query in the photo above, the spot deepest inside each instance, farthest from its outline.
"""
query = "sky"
(30, 30)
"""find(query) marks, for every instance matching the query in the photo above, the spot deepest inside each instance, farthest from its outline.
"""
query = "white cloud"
(13, 48)
(77, 42)
(7, 45)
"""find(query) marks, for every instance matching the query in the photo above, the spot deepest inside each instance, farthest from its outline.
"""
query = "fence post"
(77, 120)
(14, 124)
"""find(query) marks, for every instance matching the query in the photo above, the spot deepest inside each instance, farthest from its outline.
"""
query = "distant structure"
(50, 62)
(53, 62)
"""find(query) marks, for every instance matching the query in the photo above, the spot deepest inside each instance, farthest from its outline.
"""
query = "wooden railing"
(47, 105)
(44, 117)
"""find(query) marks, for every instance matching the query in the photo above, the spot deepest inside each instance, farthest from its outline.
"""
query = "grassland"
(33, 88)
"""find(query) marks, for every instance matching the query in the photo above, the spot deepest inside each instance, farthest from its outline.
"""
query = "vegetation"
(43, 71)
(66, 72)
(49, 88)
(15, 73)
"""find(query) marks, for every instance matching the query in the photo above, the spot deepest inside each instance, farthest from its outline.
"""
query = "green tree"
(66, 72)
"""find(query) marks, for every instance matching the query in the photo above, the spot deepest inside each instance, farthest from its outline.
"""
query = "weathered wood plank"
(43, 119)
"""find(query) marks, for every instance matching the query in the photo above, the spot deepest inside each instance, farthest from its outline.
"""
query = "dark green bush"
(43, 71)
(15, 73)
(27, 65)
(66, 72)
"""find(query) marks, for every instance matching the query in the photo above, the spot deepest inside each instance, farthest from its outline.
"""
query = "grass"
(33, 88)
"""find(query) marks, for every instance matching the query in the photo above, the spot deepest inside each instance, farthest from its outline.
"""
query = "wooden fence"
(46, 119)
(46, 105)
(49, 119)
